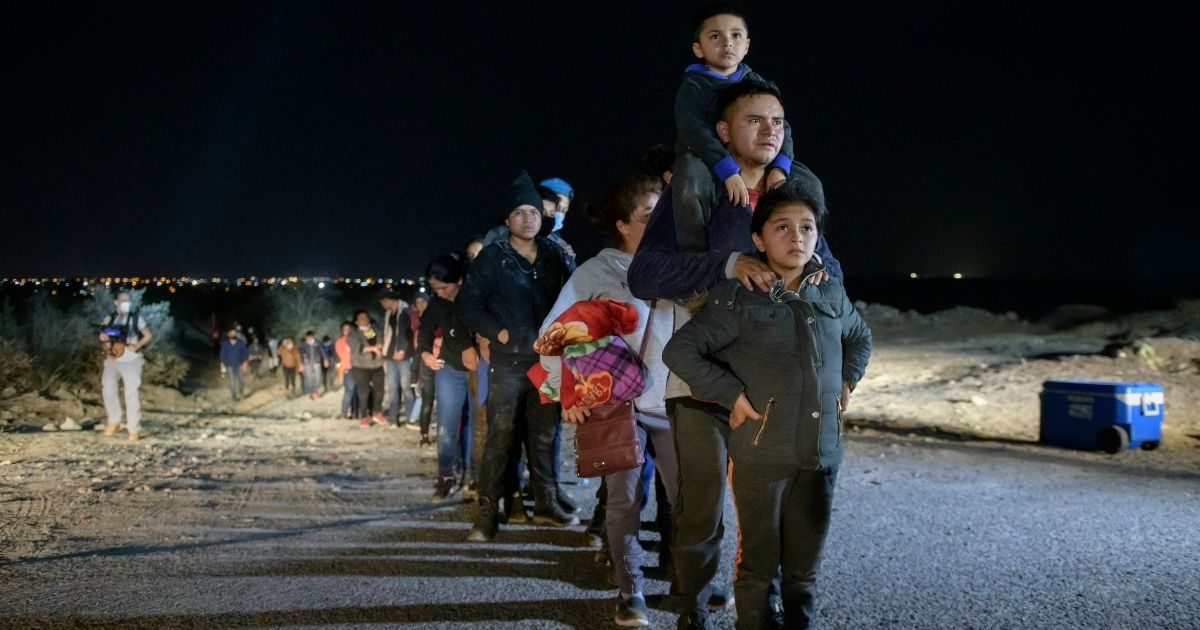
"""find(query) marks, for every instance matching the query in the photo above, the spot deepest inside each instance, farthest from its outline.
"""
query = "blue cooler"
(1101, 415)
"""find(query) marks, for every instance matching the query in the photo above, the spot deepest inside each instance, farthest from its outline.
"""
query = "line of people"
(750, 351)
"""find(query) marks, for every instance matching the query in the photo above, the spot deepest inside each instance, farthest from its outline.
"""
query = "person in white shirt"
(124, 333)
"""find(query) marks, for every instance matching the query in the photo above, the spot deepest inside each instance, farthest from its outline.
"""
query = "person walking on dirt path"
(366, 366)
(123, 334)
(235, 363)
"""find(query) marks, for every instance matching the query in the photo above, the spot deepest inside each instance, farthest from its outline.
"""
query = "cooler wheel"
(1150, 446)
(1113, 439)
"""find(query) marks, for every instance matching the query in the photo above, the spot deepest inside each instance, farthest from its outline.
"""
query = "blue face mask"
(559, 219)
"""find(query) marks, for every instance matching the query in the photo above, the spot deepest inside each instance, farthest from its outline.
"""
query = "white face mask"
(124, 307)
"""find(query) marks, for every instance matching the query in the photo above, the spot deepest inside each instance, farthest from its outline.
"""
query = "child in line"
(783, 363)
(721, 41)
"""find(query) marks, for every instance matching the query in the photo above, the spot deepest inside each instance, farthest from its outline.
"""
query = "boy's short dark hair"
(713, 9)
(310, 334)
(729, 95)
(794, 190)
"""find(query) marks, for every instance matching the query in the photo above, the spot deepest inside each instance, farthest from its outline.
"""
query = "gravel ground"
(271, 519)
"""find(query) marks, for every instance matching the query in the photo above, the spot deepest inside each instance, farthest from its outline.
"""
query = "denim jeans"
(237, 383)
(398, 375)
(349, 395)
(625, 494)
(514, 409)
(426, 390)
(455, 421)
(310, 378)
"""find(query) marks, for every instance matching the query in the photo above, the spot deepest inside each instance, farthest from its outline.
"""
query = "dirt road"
(268, 518)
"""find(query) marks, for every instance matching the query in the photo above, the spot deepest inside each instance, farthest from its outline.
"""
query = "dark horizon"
(326, 139)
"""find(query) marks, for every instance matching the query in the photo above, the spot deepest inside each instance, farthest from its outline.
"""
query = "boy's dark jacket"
(696, 114)
(504, 290)
(794, 347)
(660, 271)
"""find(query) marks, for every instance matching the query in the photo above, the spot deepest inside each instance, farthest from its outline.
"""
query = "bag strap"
(646, 333)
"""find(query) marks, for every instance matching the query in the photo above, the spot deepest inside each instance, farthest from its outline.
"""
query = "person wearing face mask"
(561, 195)
(123, 335)
(289, 360)
(366, 367)
(235, 362)
(556, 196)
(313, 363)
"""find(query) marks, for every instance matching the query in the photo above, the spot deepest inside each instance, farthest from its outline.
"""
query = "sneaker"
(549, 512)
(365, 422)
(569, 505)
(775, 608)
(486, 523)
(444, 488)
(693, 621)
(425, 440)
(379, 419)
(632, 612)
(719, 599)
(516, 513)
(471, 492)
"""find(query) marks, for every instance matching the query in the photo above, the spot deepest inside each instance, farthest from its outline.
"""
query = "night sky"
(994, 139)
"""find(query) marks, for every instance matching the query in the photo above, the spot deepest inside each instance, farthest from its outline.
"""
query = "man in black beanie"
(509, 289)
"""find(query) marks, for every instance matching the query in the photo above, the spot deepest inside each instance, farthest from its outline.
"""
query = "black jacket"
(505, 291)
(456, 337)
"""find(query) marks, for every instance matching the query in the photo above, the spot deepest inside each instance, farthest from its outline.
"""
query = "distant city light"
(958, 276)
(321, 285)
(913, 275)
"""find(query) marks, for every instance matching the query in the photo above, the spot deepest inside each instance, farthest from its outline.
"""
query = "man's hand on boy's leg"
(742, 409)
(735, 186)
(752, 272)
(775, 177)
(844, 401)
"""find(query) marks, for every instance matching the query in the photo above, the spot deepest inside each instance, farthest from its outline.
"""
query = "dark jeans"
(237, 382)
(427, 385)
(513, 408)
(369, 383)
(289, 379)
(783, 517)
(701, 434)
(456, 420)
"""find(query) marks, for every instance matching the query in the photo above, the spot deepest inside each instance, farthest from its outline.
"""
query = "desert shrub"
(61, 347)
(15, 365)
(164, 368)
(297, 308)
